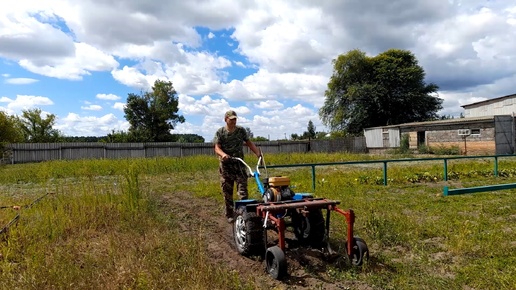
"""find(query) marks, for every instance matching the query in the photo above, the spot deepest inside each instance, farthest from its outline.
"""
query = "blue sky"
(268, 60)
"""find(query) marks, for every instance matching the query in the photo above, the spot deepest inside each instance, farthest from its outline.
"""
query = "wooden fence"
(37, 152)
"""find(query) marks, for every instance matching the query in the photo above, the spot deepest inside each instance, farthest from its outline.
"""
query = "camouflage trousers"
(231, 173)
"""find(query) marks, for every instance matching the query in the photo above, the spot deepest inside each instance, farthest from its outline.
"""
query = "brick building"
(489, 128)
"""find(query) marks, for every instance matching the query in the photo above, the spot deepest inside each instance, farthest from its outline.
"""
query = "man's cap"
(231, 114)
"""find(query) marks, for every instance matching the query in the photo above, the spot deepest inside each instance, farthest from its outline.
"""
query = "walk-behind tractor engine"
(277, 189)
(280, 208)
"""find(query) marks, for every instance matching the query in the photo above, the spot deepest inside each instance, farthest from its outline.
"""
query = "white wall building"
(505, 105)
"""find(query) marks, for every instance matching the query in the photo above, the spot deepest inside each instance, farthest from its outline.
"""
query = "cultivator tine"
(328, 225)
(265, 219)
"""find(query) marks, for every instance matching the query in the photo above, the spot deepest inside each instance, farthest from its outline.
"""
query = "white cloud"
(453, 100)
(20, 81)
(108, 97)
(265, 85)
(25, 102)
(289, 40)
(77, 125)
(119, 106)
(200, 75)
(107, 26)
(269, 104)
(240, 64)
(23, 36)
(92, 108)
(86, 59)
(132, 77)
(469, 49)
(204, 106)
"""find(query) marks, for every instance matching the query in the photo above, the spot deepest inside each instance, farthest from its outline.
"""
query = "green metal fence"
(387, 161)
(457, 191)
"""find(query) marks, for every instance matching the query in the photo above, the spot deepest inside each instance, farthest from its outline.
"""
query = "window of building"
(475, 132)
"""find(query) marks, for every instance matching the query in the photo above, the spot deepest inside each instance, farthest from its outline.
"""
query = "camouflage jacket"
(232, 142)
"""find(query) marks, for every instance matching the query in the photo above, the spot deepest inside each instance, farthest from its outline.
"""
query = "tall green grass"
(99, 231)
(102, 226)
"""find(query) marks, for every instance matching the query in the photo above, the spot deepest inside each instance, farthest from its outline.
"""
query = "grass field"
(98, 224)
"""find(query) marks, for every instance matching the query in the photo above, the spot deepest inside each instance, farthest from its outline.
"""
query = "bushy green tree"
(152, 115)
(311, 130)
(375, 91)
(116, 137)
(321, 135)
(36, 129)
(259, 138)
(294, 136)
(9, 129)
(187, 138)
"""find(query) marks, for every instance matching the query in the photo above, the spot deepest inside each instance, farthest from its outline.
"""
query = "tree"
(153, 115)
(311, 130)
(294, 136)
(321, 135)
(383, 90)
(9, 129)
(259, 138)
(87, 139)
(36, 129)
(187, 138)
(249, 132)
(446, 117)
(116, 137)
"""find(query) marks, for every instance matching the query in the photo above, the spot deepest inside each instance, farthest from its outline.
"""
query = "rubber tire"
(248, 233)
(359, 251)
(276, 262)
(310, 230)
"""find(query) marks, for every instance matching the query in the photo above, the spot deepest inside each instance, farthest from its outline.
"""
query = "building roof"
(485, 102)
(439, 122)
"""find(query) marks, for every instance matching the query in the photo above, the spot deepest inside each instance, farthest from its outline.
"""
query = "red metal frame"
(271, 210)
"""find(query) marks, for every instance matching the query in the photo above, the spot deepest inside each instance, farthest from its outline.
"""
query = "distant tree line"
(114, 138)
(310, 133)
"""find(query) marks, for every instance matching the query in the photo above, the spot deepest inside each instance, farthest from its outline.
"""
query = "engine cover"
(273, 194)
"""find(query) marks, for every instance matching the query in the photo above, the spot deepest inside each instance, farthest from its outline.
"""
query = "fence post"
(445, 169)
(313, 177)
(496, 166)
(385, 173)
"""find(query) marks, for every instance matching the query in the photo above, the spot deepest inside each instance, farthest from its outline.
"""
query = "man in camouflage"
(229, 141)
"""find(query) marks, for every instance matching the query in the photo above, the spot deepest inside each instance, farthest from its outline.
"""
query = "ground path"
(307, 269)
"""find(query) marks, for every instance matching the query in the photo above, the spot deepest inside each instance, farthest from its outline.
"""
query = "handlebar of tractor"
(255, 174)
